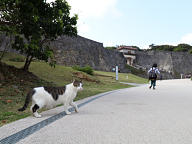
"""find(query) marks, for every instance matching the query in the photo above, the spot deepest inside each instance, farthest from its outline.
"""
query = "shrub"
(86, 69)
(110, 48)
(190, 51)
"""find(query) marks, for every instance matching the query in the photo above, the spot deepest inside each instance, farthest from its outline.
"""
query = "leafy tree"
(178, 48)
(151, 46)
(34, 23)
(163, 47)
(182, 47)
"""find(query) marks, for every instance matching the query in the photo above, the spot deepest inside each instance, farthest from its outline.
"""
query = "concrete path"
(130, 116)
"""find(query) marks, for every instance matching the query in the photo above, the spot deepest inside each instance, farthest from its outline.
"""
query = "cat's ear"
(75, 83)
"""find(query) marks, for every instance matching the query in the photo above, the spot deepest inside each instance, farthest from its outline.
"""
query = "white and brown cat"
(51, 96)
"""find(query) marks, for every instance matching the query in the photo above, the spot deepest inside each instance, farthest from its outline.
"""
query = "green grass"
(8, 110)
(60, 75)
(124, 77)
(8, 56)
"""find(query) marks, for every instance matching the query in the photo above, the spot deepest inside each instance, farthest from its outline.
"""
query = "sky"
(134, 22)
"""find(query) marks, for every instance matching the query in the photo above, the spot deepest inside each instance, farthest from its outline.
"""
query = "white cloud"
(83, 27)
(187, 39)
(92, 8)
(109, 43)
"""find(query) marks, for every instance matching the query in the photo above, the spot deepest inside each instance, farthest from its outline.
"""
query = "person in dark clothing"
(153, 75)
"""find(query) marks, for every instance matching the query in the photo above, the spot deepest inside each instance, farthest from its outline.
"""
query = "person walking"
(153, 75)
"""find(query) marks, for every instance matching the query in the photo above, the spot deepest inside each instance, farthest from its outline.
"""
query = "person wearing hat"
(153, 75)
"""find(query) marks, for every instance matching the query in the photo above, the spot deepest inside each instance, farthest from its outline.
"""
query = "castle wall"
(70, 51)
(81, 51)
(174, 63)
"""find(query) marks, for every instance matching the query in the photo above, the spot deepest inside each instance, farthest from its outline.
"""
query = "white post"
(116, 72)
(181, 76)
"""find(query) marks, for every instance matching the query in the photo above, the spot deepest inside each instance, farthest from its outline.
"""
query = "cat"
(51, 96)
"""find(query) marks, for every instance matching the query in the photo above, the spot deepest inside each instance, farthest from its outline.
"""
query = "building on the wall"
(128, 52)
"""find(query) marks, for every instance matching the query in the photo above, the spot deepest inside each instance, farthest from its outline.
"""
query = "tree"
(183, 47)
(34, 23)
(151, 46)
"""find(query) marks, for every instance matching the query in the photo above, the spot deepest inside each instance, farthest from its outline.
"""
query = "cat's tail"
(27, 100)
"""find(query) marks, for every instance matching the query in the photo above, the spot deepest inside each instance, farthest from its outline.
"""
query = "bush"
(190, 51)
(17, 59)
(86, 69)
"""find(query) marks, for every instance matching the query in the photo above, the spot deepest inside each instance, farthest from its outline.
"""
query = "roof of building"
(126, 47)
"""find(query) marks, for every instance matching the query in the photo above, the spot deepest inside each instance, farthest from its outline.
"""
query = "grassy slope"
(60, 75)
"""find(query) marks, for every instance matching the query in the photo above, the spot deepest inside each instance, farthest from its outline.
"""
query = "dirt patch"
(104, 75)
(15, 83)
(10, 75)
(82, 76)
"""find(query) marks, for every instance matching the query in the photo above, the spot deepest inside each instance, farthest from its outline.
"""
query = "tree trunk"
(3, 53)
(5, 49)
(27, 63)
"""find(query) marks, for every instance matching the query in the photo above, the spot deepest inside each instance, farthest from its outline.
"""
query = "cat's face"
(78, 84)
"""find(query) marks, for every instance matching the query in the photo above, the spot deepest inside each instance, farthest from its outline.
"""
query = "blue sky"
(134, 22)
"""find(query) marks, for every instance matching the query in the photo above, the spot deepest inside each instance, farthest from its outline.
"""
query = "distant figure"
(153, 75)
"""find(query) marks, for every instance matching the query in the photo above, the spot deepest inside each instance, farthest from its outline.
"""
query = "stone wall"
(80, 51)
(70, 51)
(170, 63)
(5, 43)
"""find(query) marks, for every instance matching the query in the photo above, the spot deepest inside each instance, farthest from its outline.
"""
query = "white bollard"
(116, 72)
(181, 76)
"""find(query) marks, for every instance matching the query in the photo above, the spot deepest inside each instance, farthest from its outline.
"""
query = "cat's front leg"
(37, 115)
(75, 106)
(66, 109)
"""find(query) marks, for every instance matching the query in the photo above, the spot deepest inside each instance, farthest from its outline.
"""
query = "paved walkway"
(129, 116)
